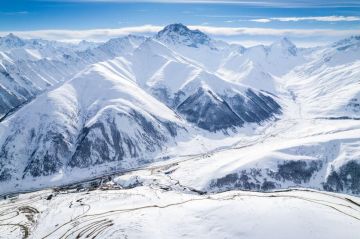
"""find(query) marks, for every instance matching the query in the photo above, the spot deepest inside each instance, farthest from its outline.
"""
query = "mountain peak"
(12, 36)
(286, 41)
(180, 34)
(11, 40)
(285, 45)
(176, 27)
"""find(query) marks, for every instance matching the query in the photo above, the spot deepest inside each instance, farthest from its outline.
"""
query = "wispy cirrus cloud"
(275, 3)
(319, 19)
(262, 20)
(14, 13)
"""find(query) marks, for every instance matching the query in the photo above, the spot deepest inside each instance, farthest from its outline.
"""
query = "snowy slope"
(331, 77)
(255, 66)
(97, 118)
(155, 212)
(174, 79)
(30, 67)
(260, 66)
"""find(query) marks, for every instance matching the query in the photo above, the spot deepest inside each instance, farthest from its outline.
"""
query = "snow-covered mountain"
(118, 135)
(175, 34)
(196, 93)
(261, 118)
(30, 67)
(95, 118)
(330, 77)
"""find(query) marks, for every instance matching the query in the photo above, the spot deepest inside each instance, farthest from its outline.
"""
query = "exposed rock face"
(212, 112)
(347, 178)
(180, 34)
(208, 111)
(330, 165)
(295, 173)
(254, 107)
(50, 160)
(106, 141)
(96, 118)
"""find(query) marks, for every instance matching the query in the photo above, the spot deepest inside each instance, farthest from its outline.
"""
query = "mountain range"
(261, 118)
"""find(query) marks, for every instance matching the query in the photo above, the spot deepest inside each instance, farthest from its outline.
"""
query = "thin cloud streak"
(262, 20)
(233, 31)
(319, 19)
(15, 13)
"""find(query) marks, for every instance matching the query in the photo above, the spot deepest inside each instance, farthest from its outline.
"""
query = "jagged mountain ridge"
(30, 67)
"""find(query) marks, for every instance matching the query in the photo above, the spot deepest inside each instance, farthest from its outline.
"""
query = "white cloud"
(233, 31)
(263, 20)
(299, 43)
(105, 34)
(319, 19)
(91, 35)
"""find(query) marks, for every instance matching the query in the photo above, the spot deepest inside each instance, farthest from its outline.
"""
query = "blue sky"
(248, 22)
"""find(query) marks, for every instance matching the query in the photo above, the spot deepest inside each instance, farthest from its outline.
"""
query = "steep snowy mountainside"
(194, 92)
(96, 121)
(283, 56)
(22, 80)
(327, 85)
(29, 67)
(260, 66)
(114, 47)
(343, 51)
(255, 66)
(194, 45)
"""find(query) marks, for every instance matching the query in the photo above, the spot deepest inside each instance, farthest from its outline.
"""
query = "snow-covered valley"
(140, 134)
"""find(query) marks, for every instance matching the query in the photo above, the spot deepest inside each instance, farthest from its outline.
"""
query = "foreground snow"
(152, 212)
